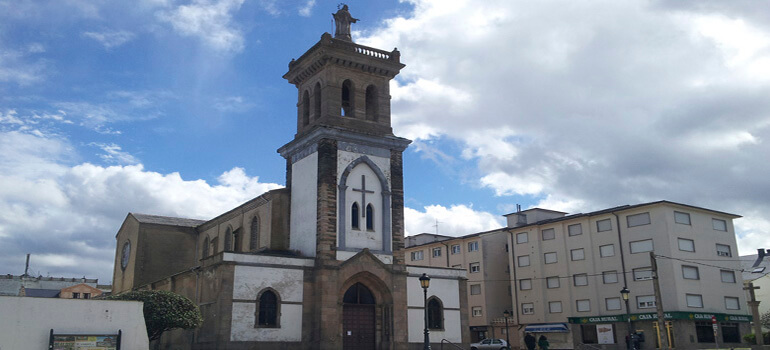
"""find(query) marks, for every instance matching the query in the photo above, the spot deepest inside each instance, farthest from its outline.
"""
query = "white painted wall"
(445, 285)
(248, 281)
(304, 194)
(363, 238)
(26, 322)
(243, 324)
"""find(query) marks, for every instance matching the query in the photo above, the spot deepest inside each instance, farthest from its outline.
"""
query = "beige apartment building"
(570, 270)
(484, 257)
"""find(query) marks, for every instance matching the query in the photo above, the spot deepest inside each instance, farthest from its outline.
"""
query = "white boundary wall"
(25, 322)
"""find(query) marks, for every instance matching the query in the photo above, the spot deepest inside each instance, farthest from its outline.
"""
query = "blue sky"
(176, 107)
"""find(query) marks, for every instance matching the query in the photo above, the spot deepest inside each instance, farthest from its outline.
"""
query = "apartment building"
(484, 256)
(569, 271)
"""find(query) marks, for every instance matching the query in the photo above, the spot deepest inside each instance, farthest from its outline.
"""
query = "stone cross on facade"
(363, 191)
(342, 21)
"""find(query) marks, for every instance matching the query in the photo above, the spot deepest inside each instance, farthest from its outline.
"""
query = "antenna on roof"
(436, 225)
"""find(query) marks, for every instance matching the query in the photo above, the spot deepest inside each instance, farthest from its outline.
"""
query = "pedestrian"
(543, 342)
(529, 341)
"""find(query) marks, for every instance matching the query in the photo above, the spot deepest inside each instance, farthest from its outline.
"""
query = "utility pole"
(754, 305)
(662, 331)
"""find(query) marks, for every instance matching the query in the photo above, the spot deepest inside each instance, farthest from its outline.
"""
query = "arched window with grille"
(355, 217)
(435, 314)
(237, 240)
(268, 309)
(205, 249)
(369, 217)
(254, 238)
(229, 240)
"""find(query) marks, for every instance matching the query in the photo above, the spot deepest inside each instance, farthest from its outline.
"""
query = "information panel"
(84, 341)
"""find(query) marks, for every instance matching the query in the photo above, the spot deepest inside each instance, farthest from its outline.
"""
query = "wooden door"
(358, 327)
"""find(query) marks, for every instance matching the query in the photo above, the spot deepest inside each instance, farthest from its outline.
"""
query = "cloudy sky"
(176, 107)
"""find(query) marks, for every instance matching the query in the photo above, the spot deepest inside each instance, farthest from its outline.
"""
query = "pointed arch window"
(317, 101)
(372, 105)
(369, 217)
(348, 99)
(205, 250)
(305, 108)
(254, 239)
(268, 309)
(435, 314)
(237, 240)
(229, 240)
(354, 217)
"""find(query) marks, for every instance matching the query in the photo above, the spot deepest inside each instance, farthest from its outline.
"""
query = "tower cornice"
(344, 53)
(298, 145)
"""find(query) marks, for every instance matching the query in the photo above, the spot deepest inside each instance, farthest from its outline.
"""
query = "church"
(319, 264)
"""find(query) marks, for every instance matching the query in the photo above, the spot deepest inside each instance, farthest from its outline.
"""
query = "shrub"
(164, 310)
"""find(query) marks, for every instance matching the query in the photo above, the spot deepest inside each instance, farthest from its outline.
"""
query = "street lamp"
(624, 293)
(425, 283)
(507, 314)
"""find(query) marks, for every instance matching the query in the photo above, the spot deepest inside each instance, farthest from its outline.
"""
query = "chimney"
(761, 254)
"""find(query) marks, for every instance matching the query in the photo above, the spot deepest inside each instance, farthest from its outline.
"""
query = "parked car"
(490, 344)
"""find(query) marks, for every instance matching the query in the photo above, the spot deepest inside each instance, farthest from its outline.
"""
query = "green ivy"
(164, 310)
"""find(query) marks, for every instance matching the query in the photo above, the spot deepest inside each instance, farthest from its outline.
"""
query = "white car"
(491, 344)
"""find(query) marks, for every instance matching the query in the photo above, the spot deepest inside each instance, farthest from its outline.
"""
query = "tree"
(765, 320)
(164, 310)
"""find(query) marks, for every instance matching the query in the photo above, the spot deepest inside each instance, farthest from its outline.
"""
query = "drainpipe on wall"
(447, 252)
(514, 285)
(620, 245)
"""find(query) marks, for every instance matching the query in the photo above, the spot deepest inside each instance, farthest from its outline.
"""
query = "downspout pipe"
(514, 285)
(622, 256)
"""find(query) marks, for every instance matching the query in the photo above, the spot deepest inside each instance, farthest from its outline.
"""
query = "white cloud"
(210, 21)
(456, 220)
(593, 104)
(20, 66)
(59, 212)
(307, 9)
(114, 154)
(110, 39)
(232, 104)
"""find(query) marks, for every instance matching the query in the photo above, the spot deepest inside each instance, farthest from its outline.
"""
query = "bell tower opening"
(372, 104)
(347, 98)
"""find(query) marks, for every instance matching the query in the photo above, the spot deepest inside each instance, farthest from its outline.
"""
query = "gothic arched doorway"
(358, 318)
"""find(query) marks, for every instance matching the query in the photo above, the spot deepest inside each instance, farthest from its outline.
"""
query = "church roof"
(166, 220)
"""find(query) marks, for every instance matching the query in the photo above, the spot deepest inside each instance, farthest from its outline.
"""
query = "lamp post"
(507, 314)
(624, 293)
(425, 283)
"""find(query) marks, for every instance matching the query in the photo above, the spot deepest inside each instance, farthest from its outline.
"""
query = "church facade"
(319, 264)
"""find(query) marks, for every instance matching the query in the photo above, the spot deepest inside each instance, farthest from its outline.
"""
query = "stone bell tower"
(344, 166)
(345, 176)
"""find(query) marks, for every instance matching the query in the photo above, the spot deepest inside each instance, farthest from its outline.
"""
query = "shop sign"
(672, 315)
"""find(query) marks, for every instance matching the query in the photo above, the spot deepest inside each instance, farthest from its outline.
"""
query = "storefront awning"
(547, 328)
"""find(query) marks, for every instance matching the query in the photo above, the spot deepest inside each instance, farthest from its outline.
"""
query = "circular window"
(125, 255)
